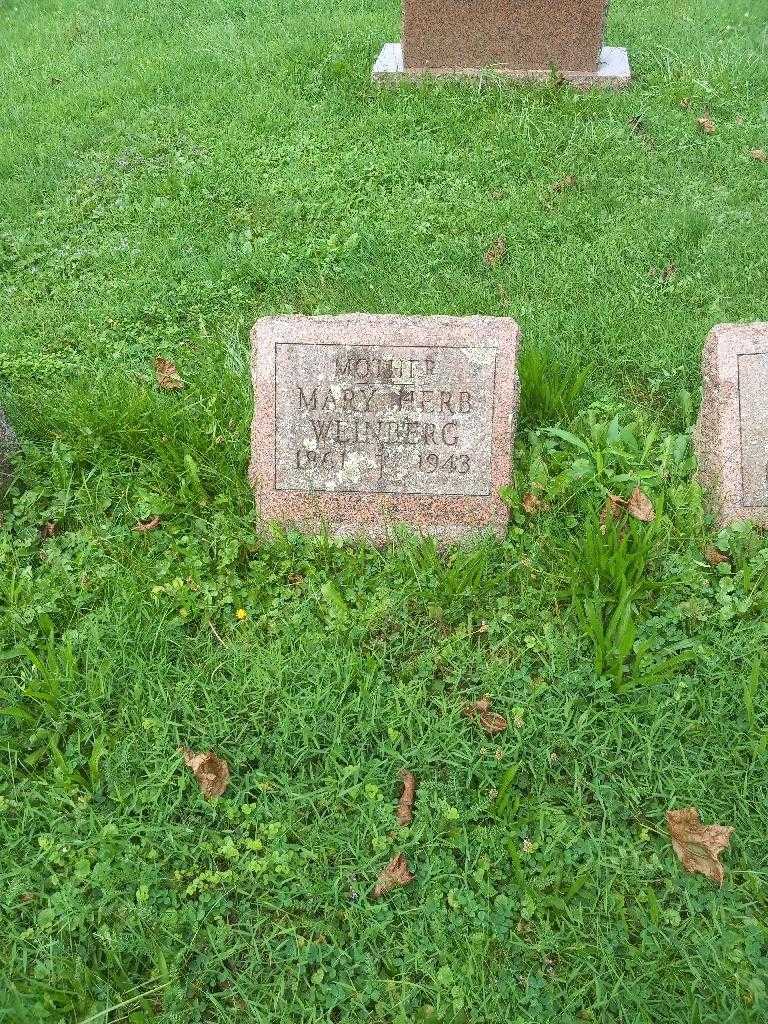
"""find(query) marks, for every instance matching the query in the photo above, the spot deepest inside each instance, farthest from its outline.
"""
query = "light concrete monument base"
(613, 72)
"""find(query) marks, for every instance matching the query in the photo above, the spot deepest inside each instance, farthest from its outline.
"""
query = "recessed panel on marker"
(384, 419)
(753, 422)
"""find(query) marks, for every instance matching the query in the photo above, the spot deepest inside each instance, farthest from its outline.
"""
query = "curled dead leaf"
(716, 557)
(395, 874)
(496, 253)
(405, 804)
(167, 375)
(639, 507)
(567, 182)
(491, 722)
(698, 846)
(531, 504)
(211, 771)
(706, 124)
(145, 525)
(759, 154)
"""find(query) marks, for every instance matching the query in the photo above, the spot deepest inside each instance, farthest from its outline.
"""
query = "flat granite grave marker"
(363, 422)
(732, 429)
(524, 39)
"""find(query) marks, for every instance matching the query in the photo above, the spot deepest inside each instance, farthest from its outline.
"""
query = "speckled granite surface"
(363, 422)
(518, 34)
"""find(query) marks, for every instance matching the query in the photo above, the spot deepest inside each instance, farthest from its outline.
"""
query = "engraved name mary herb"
(389, 419)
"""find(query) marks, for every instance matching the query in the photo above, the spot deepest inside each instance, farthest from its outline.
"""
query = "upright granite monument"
(732, 430)
(363, 422)
(526, 39)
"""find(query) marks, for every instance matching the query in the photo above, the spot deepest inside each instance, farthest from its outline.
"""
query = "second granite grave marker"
(732, 429)
(8, 446)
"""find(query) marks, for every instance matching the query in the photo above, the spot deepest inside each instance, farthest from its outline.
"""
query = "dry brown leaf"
(496, 253)
(759, 154)
(706, 124)
(531, 504)
(639, 507)
(490, 722)
(698, 846)
(145, 525)
(167, 375)
(567, 182)
(211, 772)
(716, 557)
(405, 805)
(396, 873)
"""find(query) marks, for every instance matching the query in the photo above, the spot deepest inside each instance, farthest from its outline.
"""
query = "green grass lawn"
(171, 171)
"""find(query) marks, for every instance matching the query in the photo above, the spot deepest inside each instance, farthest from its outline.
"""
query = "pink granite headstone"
(525, 40)
(517, 34)
(732, 429)
(364, 422)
